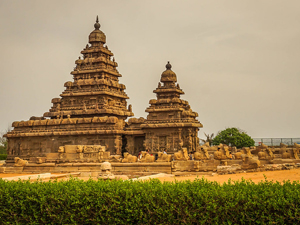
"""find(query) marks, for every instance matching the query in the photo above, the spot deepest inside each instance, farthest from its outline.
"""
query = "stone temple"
(92, 110)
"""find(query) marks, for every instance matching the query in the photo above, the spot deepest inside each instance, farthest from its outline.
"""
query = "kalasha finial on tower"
(97, 24)
(168, 66)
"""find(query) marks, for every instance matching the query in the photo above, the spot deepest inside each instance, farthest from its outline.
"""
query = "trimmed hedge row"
(3, 156)
(151, 202)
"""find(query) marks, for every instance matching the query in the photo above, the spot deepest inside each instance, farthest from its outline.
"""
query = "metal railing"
(276, 141)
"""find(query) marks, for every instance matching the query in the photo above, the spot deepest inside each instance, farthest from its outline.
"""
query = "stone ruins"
(86, 129)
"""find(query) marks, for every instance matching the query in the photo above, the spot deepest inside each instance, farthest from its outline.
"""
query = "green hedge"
(151, 202)
(3, 156)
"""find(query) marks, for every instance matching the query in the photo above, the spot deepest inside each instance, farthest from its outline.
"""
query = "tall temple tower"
(91, 111)
(171, 124)
(96, 90)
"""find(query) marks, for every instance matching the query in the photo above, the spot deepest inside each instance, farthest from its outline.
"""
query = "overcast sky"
(236, 61)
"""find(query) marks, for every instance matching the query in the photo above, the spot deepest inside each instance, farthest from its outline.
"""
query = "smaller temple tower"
(171, 123)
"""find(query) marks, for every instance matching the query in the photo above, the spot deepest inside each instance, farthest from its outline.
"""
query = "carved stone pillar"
(130, 144)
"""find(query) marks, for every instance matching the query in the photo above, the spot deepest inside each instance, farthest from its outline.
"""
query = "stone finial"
(97, 24)
(168, 66)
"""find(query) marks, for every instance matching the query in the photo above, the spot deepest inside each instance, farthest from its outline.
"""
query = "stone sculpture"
(106, 171)
(250, 163)
(146, 157)
(262, 155)
(20, 162)
(296, 150)
(201, 153)
(181, 155)
(222, 152)
(265, 152)
(163, 157)
(238, 155)
(128, 158)
(286, 155)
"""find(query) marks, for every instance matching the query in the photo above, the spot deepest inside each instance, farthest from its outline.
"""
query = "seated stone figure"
(201, 153)
(238, 155)
(181, 155)
(250, 163)
(286, 155)
(20, 162)
(270, 152)
(296, 150)
(222, 152)
(146, 157)
(262, 155)
(128, 158)
(265, 152)
(247, 151)
(163, 157)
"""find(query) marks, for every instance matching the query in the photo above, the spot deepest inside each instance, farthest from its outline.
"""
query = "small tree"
(209, 138)
(3, 141)
(233, 137)
(3, 145)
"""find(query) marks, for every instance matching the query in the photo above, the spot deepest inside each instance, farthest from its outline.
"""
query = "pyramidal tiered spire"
(171, 124)
(168, 103)
(96, 89)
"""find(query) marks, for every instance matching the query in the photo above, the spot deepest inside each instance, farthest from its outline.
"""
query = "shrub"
(233, 137)
(149, 202)
(3, 156)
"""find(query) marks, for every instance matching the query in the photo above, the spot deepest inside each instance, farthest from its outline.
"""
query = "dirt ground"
(280, 176)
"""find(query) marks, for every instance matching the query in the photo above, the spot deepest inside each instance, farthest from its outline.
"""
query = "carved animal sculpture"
(250, 163)
(262, 155)
(146, 157)
(219, 155)
(226, 149)
(286, 155)
(201, 153)
(128, 158)
(20, 162)
(238, 155)
(181, 155)
(282, 145)
(270, 152)
(295, 152)
(247, 151)
(296, 145)
(163, 157)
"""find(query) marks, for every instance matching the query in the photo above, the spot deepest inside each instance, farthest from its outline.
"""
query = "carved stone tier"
(167, 125)
(74, 94)
(89, 113)
(168, 90)
(171, 124)
(78, 71)
(96, 90)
